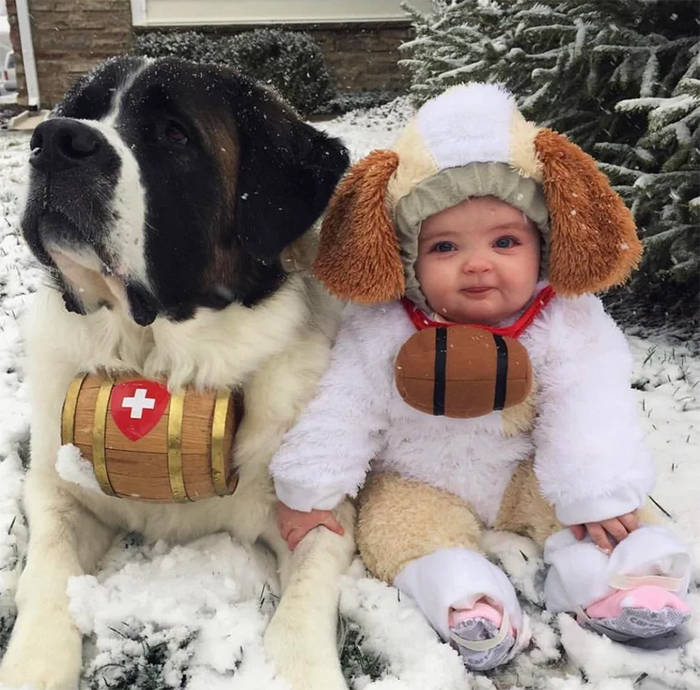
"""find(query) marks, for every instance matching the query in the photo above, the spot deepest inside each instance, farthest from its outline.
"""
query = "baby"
(479, 219)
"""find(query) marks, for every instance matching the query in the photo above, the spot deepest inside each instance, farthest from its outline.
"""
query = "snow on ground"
(161, 616)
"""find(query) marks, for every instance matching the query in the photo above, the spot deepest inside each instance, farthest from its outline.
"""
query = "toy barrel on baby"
(462, 371)
(148, 445)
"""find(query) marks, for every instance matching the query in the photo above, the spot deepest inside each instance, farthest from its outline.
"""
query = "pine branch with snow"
(665, 196)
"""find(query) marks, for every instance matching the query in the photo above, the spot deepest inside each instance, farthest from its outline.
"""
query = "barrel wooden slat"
(144, 465)
(198, 485)
(85, 413)
(129, 486)
(156, 441)
(140, 469)
(92, 382)
(196, 434)
(196, 466)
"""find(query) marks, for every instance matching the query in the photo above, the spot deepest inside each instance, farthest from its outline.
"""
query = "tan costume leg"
(400, 520)
(523, 510)
(427, 542)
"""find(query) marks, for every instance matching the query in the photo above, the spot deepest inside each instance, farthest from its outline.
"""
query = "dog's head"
(169, 186)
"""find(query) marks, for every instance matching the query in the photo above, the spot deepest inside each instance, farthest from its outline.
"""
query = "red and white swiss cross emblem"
(137, 406)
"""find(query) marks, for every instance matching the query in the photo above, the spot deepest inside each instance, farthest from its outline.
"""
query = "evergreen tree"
(475, 40)
(461, 41)
(609, 50)
(663, 191)
(619, 78)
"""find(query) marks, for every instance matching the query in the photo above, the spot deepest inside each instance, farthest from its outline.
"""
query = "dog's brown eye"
(176, 133)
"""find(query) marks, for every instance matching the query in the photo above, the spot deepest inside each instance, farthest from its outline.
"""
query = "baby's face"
(478, 262)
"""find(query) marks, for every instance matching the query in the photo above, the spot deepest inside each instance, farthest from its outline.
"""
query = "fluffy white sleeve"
(326, 455)
(590, 455)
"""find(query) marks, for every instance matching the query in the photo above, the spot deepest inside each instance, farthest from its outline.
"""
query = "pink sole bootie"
(482, 635)
(639, 613)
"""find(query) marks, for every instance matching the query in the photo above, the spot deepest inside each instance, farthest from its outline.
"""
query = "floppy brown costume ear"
(358, 256)
(594, 242)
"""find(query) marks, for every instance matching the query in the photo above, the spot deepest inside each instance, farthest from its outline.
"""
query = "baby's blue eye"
(505, 242)
(443, 247)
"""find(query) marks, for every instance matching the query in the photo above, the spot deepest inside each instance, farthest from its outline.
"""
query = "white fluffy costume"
(571, 453)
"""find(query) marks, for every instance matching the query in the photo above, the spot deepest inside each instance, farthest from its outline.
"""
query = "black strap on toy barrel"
(440, 371)
(499, 399)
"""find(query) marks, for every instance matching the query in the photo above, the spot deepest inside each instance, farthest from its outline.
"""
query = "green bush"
(290, 62)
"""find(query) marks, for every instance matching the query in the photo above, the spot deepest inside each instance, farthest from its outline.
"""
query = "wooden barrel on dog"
(146, 444)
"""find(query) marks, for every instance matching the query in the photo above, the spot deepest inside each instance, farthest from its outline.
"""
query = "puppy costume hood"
(472, 141)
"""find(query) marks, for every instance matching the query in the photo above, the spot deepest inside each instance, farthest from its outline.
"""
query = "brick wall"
(72, 36)
(363, 58)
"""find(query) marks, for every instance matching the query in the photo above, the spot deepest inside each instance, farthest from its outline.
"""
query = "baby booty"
(471, 603)
(482, 635)
(642, 612)
(636, 592)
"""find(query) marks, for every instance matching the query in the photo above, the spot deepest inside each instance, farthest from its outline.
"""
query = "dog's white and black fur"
(170, 205)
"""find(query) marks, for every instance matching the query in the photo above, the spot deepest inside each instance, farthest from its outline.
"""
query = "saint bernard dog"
(172, 206)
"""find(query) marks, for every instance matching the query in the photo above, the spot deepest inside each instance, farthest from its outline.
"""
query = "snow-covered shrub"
(619, 77)
(460, 41)
(355, 660)
(144, 656)
(289, 61)
(662, 186)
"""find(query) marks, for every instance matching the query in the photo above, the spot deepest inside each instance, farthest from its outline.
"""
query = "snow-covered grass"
(161, 616)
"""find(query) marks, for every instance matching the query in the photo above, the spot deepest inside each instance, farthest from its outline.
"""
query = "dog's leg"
(45, 650)
(301, 636)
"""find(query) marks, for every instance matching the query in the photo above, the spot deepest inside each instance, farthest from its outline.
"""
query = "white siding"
(189, 12)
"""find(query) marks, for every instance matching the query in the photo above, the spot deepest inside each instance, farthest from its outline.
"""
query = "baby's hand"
(294, 525)
(618, 528)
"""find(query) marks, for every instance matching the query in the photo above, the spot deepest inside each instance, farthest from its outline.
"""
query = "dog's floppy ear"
(287, 171)
(359, 257)
(594, 242)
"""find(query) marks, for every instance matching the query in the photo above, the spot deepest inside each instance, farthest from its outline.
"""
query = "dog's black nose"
(60, 143)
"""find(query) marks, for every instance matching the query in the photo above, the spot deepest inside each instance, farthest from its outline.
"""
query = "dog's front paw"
(300, 659)
(42, 657)
(38, 673)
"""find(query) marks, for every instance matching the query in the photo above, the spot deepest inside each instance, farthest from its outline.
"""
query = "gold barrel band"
(70, 406)
(99, 427)
(218, 433)
(177, 479)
